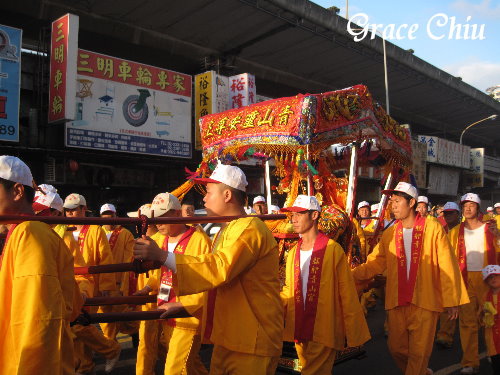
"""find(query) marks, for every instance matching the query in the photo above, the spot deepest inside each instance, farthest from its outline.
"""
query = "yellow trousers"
(88, 340)
(315, 358)
(446, 328)
(469, 320)
(149, 347)
(111, 330)
(227, 362)
(183, 347)
(411, 336)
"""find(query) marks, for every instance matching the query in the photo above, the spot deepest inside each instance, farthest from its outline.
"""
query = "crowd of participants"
(440, 266)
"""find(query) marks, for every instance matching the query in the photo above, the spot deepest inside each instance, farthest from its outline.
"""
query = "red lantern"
(73, 166)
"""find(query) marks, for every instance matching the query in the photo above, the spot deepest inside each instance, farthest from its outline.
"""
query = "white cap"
(374, 207)
(145, 210)
(226, 174)
(15, 170)
(489, 270)
(107, 207)
(259, 199)
(470, 197)
(496, 205)
(163, 203)
(451, 206)
(422, 199)
(489, 209)
(49, 200)
(74, 200)
(363, 204)
(45, 188)
(274, 208)
(249, 210)
(304, 203)
(403, 187)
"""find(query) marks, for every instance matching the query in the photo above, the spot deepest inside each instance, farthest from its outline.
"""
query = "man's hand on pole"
(147, 249)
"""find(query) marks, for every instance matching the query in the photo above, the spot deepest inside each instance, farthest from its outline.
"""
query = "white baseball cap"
(259, 199)
(374, 207)
(226, 174)
(451, 206)
(74, 200)
(274, 208)
(403, 187)
(489, 270)
(422, 199)
(496, 205)
(163, 203)
(470, 197)
(15, 170)
(107, 207)
(49, 200)
(44, 189)
(363, 204)
(489, 209)
(145, 210)
(304, 203)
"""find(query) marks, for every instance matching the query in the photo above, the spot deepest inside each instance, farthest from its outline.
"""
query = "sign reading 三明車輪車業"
(130, 107)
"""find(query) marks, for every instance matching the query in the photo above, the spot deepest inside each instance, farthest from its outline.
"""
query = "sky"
(476, 61)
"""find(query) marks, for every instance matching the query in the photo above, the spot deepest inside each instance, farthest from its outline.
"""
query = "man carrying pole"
(419, 286)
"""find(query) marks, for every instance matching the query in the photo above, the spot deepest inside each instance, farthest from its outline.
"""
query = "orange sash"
(462, 251)
(496, 326)
(82, 236)
(305, 313)
(406, 285)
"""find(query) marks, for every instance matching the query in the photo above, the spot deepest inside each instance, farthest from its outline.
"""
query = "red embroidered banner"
(113, 238)
(305, 313)
(166, 276)
(406, 285)
(82, 236)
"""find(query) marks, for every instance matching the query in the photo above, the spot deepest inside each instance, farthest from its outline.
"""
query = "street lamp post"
(492, 117)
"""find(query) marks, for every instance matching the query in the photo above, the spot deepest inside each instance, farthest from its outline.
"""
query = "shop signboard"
(127, 106)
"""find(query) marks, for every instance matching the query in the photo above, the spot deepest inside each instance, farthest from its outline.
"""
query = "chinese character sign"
(130, 107)
(242, 91)
(211, 96)
(476, 177)
(63, 52)
(10, 77)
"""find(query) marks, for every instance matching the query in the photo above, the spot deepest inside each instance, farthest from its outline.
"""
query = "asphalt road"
(376, 361)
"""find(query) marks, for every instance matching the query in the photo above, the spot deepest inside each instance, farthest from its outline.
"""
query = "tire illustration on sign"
(135, 108)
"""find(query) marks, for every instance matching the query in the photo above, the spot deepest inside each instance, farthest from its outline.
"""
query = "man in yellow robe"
(475, 245)
(317, 274)
(121, 244)
(149, 330)
(419, 286)
(182, 335)
(37, 285)
(244, 317)
(444, 337)
(94, 247)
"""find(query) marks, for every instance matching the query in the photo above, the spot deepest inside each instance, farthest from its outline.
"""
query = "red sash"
(305, 313)
(496, 326)
(406, 285)
(82, 236)
(13, 226)
(462, 251)
(166, 277)
(113, 238)
(368, 223)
